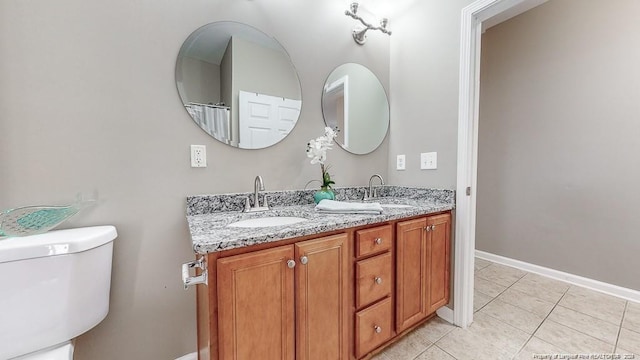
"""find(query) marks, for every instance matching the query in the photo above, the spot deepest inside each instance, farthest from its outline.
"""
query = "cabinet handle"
(304, 260)
(291, 264)
(378, 280)
(377, 329)
(378, 241)
(426, 228)
(433, 227)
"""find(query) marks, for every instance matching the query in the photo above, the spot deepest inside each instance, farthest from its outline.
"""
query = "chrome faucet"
(373, 193)
(258, 185)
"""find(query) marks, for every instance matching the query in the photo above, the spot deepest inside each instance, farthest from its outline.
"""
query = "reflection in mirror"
(238, 84)
(354, 101)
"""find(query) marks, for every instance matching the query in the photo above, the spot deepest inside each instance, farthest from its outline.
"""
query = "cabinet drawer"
(374, 279)
(374, 240)
(373, 327)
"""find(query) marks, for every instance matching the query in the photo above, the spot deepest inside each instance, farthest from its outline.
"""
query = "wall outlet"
(400, 162)
(198, 156)
(429, 161)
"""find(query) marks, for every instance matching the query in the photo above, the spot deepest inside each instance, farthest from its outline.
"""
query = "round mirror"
(238, 84)
(354, 102)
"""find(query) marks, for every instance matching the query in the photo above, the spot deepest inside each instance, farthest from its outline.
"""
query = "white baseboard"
(446, 314)
(609, 289)
(192, 356)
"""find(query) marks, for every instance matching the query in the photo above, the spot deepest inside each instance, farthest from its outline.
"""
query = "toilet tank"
(53, 287)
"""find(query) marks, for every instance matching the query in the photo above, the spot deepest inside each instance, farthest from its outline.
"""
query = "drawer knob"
(433, 227)
(377, 329)
(291, 264)
(378, 241)
(427, 228)
(378, 280)
(304, 260)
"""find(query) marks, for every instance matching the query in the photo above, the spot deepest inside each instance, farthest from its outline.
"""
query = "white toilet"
(53, 287)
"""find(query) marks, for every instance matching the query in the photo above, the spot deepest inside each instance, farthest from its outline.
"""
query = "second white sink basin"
(267, 221)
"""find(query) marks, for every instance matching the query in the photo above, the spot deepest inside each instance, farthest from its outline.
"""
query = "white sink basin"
(267, 221)
(397, 206)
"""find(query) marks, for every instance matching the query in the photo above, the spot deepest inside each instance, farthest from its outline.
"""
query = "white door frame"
(474, 16)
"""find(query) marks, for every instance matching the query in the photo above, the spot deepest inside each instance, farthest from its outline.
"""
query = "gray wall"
(425, 58)
(88, 103)
(200, 80)
(558, 164)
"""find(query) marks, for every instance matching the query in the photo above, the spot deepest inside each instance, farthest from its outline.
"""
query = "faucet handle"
(247, 205)
(366, 196)
(264, 201)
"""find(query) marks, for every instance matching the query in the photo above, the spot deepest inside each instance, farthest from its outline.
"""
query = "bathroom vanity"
(334, 286)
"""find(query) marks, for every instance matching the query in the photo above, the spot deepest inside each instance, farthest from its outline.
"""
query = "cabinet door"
(411, 277)
(438, 263)
(256, 305)
(322, 298)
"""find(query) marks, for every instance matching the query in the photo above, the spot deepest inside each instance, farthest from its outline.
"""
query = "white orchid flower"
(317, 148)
(330, 134)
(316, 151)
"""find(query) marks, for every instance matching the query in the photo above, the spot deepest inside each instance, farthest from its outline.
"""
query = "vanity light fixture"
(359, 34)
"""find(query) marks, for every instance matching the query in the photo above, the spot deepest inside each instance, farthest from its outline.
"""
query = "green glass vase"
(323, 193)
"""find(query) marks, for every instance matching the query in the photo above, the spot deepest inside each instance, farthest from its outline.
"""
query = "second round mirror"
(354, 102)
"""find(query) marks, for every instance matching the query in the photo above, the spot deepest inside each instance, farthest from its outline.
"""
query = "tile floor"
(519, 315)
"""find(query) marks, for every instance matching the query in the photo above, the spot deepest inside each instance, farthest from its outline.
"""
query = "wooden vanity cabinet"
(342, 296)
(422, 270)
(289, 302)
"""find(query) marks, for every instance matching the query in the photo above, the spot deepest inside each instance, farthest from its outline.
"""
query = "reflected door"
(265, 120)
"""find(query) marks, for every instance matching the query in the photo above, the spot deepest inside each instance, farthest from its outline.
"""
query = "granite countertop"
(209, 215)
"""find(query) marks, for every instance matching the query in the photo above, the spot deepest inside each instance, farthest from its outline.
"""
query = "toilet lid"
(57, 242)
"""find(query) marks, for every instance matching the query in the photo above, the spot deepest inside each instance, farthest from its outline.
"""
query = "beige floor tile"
(434, 329)
(629, 340)
(410, 346)
(501, 274)
(480, 264)
(513, 315)
(584, 323)
(486, 338)
(571, 340)
(599, 305)
(526, 302)
(632, 317)
(381, 356)
(541, 287)
(480, 300)
(629, 354)
(538, 347)
(435, 353)
(487, 287)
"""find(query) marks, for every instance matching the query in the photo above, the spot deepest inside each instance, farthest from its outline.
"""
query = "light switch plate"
(429, 161)
(198, 156)
(400, 162)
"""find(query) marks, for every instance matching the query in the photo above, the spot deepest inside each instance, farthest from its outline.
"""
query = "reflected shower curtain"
(212, 119)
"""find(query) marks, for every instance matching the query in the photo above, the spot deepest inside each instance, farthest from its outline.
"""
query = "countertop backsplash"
(206, 204)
